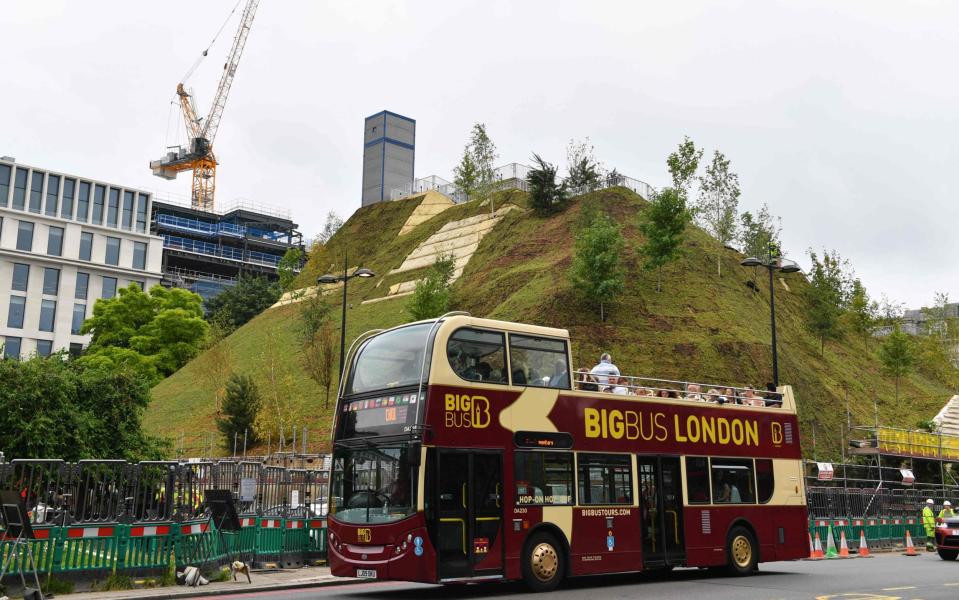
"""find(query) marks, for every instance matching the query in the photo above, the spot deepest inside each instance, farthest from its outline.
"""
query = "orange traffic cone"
(817, 552)
(812, 549)
(910, 549)
(863, 550)
(843, 546)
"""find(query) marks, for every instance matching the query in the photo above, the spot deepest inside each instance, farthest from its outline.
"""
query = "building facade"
(389, 153)
(205, 251)
(66, 241)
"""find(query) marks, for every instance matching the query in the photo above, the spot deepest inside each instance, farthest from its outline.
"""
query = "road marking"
(859, 596)
(896, 589)
(950, 584)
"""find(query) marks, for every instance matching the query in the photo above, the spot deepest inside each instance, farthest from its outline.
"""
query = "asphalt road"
(883, 577)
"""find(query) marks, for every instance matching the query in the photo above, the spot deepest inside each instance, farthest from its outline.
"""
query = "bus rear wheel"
(741, 552)
(543, 563)
(945, 554)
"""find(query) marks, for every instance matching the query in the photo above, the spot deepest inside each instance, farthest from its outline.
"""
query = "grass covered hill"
(700, 327)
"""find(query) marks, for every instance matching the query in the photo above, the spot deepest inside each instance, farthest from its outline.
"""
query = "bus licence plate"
(366, 573)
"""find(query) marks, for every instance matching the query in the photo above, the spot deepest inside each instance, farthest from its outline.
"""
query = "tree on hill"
(289, 267)
(431, 298)
(475, 176)
(165, 327)
(465, 175)
(897, 354)
(330, 227)
(757, 232)
(236, 305)
(240, 407)
(320, 356)
(545, 195)
(683, 164)
(663, 224)
(826, 295)
(719, 202)
(585, 172)
(597, 271)
(862, 312)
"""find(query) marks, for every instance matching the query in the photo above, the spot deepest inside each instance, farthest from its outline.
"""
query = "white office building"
(66, 241)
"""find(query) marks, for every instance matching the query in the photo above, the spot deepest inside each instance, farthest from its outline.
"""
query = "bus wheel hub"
(742, 552)
(544, 562)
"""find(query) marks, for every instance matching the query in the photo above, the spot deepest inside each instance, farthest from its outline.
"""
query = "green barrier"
(197, 543)
(146, 547)
(43, 549)
(316, 544)
(269, 542)
(296, 536)
(88, 549)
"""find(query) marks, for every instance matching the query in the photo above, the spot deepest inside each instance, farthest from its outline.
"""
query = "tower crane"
(198, 155)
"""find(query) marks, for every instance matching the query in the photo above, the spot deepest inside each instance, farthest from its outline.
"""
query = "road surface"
(883, 577)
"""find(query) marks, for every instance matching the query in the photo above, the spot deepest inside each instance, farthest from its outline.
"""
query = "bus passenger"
(692, 393)
(751, 399)
(605, 371)
(560, 378)
(585, 381)
(621, 387)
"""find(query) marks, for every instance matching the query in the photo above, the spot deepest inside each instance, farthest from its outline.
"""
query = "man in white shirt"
(605, 372)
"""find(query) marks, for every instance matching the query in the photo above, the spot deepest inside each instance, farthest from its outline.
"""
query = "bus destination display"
(386, 414)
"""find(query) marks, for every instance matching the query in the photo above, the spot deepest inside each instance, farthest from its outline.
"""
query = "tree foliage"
(155, 333)
(320, 356)
(465, 174)
(663, 224)
(584, 172)
(756, 233)
(827, 295)
(330, 227)
(235, 306)
(241, 405)
(475, 176)
(719, 202)
(546, 196)
(289, 267)
(683, 164)
(861, 311)
(431, 298)
(897, 354)
(597, 271)
(53, 408)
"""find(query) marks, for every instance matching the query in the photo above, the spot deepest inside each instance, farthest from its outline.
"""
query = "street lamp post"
(773, 263)
(345, 277)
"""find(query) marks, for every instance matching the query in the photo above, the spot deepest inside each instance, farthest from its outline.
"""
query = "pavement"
(274, 580)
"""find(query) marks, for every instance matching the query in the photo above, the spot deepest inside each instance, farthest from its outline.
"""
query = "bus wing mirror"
(413, 452)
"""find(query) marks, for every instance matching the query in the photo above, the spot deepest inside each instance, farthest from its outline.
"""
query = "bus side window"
(538, 362)
(605, 479)
(697, 480)
(764, 480)
(478, 355)
(733, 481)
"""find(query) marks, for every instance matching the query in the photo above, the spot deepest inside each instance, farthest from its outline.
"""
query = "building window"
(142, 206)
(20, 189)
(53, 194)
(51, 281)
(44, 347)
(99, 194)
(55, 241)
(113, 251)
(5, 171)
(605, 479)
(15, 313)
(139, 255)
(544, 478)
(140, 285)
(11, 348)
(83, 202)
(25, 236)
(83, 286)
(21, 277)
(697, 480)
(539, 362)
(76, 350)
(109, 287)
(86, 246)
(113, 208)
(128, 199)
(36, 189)
(79, 316)
(733, 481)
(48, 313)
(69, 188)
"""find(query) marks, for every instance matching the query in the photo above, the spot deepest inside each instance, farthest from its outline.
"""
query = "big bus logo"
(777, 433)
(364, 536)
(465, 411)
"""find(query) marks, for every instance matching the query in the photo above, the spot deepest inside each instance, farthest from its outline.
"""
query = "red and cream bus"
(463, 453)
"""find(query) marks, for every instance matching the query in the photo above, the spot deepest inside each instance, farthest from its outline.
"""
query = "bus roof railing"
(671, 388)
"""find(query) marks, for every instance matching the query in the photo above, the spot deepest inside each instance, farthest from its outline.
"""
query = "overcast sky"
(840, 115)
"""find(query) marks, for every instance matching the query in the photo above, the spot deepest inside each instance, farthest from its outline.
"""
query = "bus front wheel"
(543, 563)
(742, 553)
(945, 554)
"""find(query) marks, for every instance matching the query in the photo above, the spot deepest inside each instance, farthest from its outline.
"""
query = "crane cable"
(196, 64)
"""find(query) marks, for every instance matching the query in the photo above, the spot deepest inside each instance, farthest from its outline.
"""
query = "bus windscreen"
(390, 360)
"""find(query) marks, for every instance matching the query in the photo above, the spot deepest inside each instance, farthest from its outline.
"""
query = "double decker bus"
(469, 450)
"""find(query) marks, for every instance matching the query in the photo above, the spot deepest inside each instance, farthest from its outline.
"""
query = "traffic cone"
(812, 549)
(863, 550)
(843, 546)
(910, 549)
(817, 548)
(831, 545)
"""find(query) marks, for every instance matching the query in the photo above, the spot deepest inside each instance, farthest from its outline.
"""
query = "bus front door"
(661, 503)
(470, 515)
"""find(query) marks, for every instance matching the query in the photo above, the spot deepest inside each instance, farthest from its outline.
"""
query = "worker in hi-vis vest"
(946, 512)
(929, 524)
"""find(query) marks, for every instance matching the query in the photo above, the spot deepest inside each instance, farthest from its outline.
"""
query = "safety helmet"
(929, 501)
(947, 503)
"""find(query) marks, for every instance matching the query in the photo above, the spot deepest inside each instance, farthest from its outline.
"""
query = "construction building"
(389, 153)
(207, 250)
(65, 241)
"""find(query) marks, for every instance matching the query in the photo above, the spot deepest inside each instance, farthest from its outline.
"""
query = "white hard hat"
(929, 501)
(947, 503)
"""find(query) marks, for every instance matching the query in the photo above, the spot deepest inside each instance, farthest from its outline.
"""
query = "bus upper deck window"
(478, 355)
(538, 362)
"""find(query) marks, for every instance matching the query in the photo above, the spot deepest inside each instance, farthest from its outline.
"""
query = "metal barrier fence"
(97, 517)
